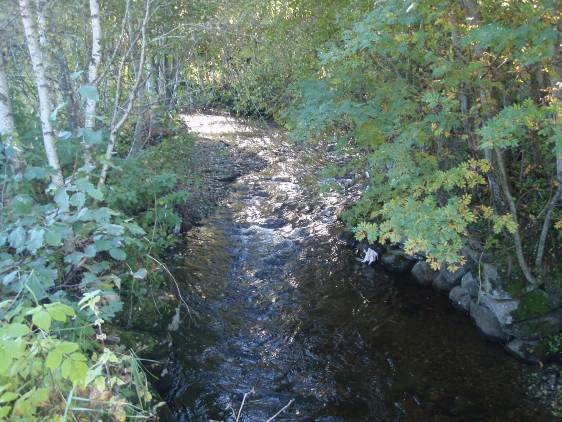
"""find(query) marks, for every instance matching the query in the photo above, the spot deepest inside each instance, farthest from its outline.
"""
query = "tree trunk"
(65, 86)
(117, 121)
(45, 44)
(495, 189)
(38, 65)
(556, 87)
(513, 210)
(95, 60)
(7, 125)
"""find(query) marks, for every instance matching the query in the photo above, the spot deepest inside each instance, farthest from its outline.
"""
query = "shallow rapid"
(284, 316)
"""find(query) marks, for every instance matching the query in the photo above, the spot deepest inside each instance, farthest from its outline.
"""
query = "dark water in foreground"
(286, 313)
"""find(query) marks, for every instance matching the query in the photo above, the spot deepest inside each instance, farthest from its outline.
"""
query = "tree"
(7, 125)
(38, 63)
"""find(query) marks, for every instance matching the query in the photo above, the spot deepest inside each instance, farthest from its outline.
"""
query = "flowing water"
(283, 313)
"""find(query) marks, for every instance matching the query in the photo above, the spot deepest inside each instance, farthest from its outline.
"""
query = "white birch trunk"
(7, 125)
(38, 65)
(48, 64)
(95, 60)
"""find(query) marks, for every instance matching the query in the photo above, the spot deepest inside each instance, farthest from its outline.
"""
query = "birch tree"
(38, 64)
(7, 125)
(95, 60)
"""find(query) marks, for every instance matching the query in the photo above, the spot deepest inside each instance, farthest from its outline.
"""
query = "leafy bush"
(61, 262)
(152, 186)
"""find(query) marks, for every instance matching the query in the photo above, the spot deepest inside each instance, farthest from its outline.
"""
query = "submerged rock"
(487, 322)
(424, 274)
(397, 261)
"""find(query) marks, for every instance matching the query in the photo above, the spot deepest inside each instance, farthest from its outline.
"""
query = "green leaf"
(78, 200)
(78, 357)
(90, 92)
(65, 368)
(54, 359)
(76, 75)
(53, 237)
(95, 193)
(56, 313)
(114, 229)
(118, 254)
(17, 238)
(60, 310)
(36, 239)
(8, 397)
(35, 173)
(92, 137)
(135, 229)
(22, 205)
(10, 277)
(103, 245)
(42, 319)
(67, 347)
(62, 199)
(78, 371)
(90, 251)
(15, 330)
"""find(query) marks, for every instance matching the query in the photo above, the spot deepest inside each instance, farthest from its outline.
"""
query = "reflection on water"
(286, 312)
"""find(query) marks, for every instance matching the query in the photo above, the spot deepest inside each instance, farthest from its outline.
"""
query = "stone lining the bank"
(475, 290)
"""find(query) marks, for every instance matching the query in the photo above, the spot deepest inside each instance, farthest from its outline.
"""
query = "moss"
(516, 288)
(532, 304)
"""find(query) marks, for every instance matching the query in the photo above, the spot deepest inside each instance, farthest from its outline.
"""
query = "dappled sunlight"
(213, 125)
(238, 132)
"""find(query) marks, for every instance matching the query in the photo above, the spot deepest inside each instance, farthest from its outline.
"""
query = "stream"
(284, 316)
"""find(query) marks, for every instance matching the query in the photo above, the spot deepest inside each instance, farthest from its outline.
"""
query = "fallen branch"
(182, 300)
(242, 405)
(281, 411)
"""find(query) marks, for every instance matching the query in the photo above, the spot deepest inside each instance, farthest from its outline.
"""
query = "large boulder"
(461, 298)
(446, 279)
(501, 308)
(423, 273)
(470, 283)
(487, 322)
(397, 261)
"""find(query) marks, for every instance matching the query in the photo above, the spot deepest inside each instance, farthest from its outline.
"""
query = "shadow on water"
(286, 312)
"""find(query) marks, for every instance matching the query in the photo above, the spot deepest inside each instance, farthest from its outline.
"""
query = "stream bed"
(284, 316)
